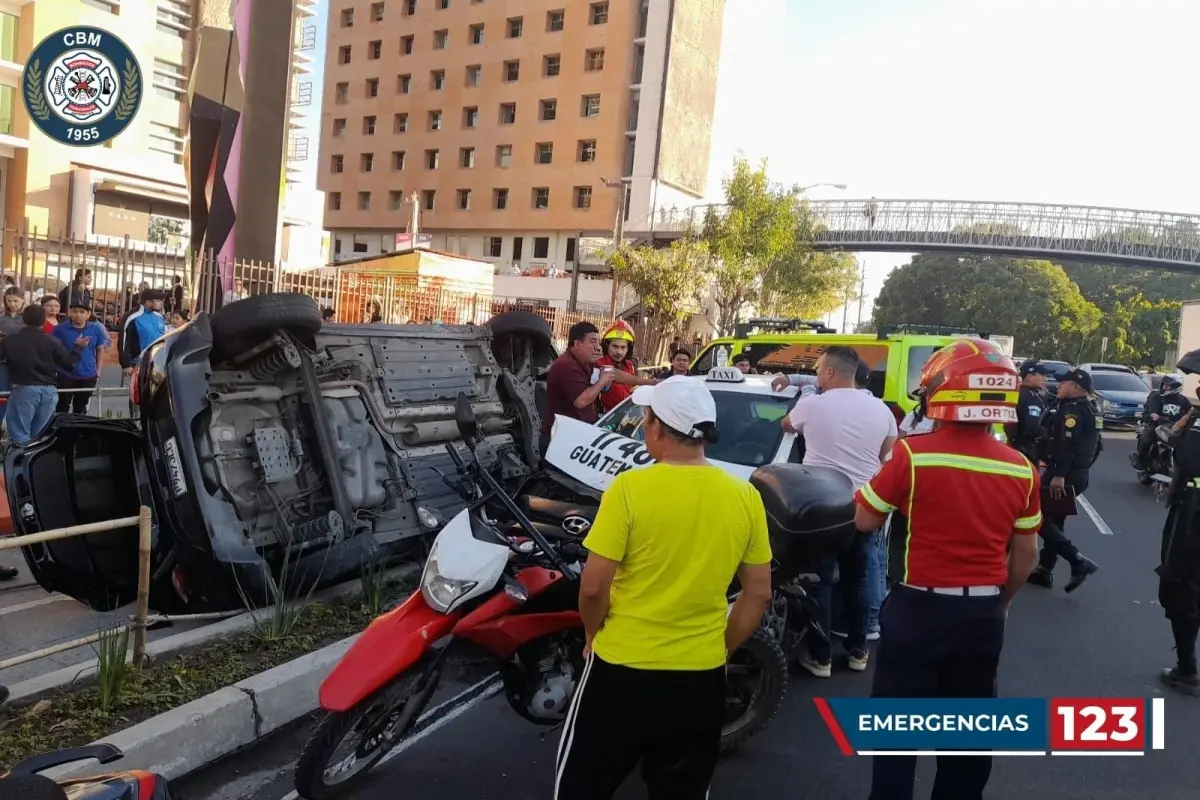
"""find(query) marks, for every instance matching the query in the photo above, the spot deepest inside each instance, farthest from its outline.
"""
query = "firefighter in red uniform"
(967, 498)
(617, 346)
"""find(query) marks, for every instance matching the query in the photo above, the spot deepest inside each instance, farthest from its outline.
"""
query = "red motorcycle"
(508, 589)
(23, 782)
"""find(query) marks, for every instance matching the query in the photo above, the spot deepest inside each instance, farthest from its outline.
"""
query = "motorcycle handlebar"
(459, 464)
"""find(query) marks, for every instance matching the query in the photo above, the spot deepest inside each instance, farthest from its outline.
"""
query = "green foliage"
(1033, 301)
(809, 284)
(669, 281)
(111, 667)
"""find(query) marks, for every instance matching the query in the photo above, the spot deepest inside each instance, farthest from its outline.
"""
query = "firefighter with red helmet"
(617, 345)
(973, 507)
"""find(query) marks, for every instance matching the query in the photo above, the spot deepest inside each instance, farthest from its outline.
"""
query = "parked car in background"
(1057, 369)
(270, 445)
(1121, 395)
(1098, 367)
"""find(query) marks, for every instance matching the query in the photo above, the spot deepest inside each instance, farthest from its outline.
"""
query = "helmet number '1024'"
(988, 381)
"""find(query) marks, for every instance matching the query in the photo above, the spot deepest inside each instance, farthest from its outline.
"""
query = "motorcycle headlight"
(440, 592)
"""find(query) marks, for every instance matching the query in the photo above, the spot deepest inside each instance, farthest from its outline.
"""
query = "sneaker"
(1188, 684)
(1080, 572)
(1042, 577)
(873, 636)
(858, 660)
(819, 669)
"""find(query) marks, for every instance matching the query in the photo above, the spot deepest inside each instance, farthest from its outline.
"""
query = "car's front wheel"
(247, 323)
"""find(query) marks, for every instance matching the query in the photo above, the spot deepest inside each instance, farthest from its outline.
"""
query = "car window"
(801, 357)
(705, 362)
(748, 425)
(917, 356)
(1057, 368)
(1117, 382)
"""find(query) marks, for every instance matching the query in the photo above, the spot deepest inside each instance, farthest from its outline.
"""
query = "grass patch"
(79, 716)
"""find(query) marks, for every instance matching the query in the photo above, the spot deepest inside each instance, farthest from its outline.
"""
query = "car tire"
(246, 323)
(524, 323)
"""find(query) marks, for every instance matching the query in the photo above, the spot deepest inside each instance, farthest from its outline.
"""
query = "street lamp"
(618, 235)
(840, 186)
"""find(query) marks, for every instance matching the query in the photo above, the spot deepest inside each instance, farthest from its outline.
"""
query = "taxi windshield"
(748, 424)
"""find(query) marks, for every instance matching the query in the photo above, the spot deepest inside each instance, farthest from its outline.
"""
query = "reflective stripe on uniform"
(1029, 523)
(972, 464)
(875, 501)
(973, 396)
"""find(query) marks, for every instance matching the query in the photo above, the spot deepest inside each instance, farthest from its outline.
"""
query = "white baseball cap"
(679, 402)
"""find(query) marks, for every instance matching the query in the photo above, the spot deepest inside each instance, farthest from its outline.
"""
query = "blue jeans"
(877, 557)
(851, 566)
(29, 410)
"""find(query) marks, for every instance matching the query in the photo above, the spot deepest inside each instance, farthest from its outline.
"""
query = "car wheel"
(510, 332)
(242, 325)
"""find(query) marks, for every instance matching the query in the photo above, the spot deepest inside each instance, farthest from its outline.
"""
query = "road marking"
(54, 598)
(1094, 515)
(438, 717)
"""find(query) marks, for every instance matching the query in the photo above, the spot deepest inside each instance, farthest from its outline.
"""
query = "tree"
(1033, 301)
(669, 282)
(808, 284)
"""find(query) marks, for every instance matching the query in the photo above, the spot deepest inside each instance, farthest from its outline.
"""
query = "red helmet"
(971, 381)
(619, 330)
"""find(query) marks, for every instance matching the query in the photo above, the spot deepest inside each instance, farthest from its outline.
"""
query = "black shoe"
(7, 574)
(1042, 577)
(1080, 571)
(1174, 678)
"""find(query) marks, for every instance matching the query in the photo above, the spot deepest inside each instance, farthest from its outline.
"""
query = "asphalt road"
(1108, 639)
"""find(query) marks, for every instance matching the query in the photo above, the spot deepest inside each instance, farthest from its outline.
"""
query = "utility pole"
(575, 273)
(862, 288)
(618, 233)
(845, 311)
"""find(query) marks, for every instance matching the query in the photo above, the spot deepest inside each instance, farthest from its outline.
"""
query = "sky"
(1056, 101)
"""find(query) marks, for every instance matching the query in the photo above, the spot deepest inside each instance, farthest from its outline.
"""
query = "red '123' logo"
(1098, 724)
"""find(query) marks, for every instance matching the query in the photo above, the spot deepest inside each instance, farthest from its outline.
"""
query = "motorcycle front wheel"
(756, 681)
(348, 744)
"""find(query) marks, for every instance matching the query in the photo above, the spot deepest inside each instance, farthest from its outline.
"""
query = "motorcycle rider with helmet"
(617, 346)
(1165, 407)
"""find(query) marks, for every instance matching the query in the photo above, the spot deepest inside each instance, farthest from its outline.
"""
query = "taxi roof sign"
(725, 375)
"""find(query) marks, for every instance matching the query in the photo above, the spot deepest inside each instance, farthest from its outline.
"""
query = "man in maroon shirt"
(574, 384)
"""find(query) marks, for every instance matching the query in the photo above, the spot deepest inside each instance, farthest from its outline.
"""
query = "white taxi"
(748, 415)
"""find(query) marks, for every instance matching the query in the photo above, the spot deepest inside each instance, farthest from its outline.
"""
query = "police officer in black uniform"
(1179, 571)
(1072, 437)
(1028, 433)
(1165, 407)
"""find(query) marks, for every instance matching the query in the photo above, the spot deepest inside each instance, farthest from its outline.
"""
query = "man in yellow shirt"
(667, 542)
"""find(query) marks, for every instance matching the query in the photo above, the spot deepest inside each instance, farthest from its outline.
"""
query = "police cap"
(1078, 377)
(1033, 367)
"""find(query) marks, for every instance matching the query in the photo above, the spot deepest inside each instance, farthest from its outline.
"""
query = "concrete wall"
(556, 290)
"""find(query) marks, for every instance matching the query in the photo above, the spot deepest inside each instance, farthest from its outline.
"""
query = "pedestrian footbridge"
(1153, 239)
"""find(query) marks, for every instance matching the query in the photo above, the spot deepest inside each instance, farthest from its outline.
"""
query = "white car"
(748, 415)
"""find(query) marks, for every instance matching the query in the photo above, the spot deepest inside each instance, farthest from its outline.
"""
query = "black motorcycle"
(1159, 465)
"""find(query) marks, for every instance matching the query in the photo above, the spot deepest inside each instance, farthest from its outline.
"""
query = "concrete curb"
(187, 738)
(34, 689)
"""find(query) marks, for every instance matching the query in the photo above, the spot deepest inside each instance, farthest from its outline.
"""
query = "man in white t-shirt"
(852, 432)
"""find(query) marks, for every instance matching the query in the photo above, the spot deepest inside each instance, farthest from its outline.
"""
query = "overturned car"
(273, 448)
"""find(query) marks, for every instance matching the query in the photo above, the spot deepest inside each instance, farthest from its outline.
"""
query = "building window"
(395, 200)
(170, 81)
(374, 49)
(512, 70)
(406, 45)
(570, 249)
(515, 26)
(516, 253)
(372, 87)
(428, 199)
(474, 75)
(441, 39)
(630, 155)
(400, 122)
(598, 13)
(397, 160)
(470, 117)
(435, 120)
(335, 201)
(593, 60)
(442, 5)
(548, 110)
(586, 151)
(494, 245)
(464, 199)
(376, 12)
(437, 80)
(476, 33)
(503, 155)
(543, 153)
(432, 157)
(508, 113)
(336, 163)
(364, 201)
(339, 128)
(551, 65)
(500, 200)
(344, 54)
(590, 105)
(369, 126)
(583, 197)
(555, 20)
(341, 93)
(635, 104)
(404, 84)
(541, 247)
(466, 157)
(347, 18)
(541, 197)
(367, 162)
(174, 17)
(410, 7)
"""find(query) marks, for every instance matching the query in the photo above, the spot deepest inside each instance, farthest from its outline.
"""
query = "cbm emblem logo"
(82, 86)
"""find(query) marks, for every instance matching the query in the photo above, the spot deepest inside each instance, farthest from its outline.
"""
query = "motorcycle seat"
(556, 510)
